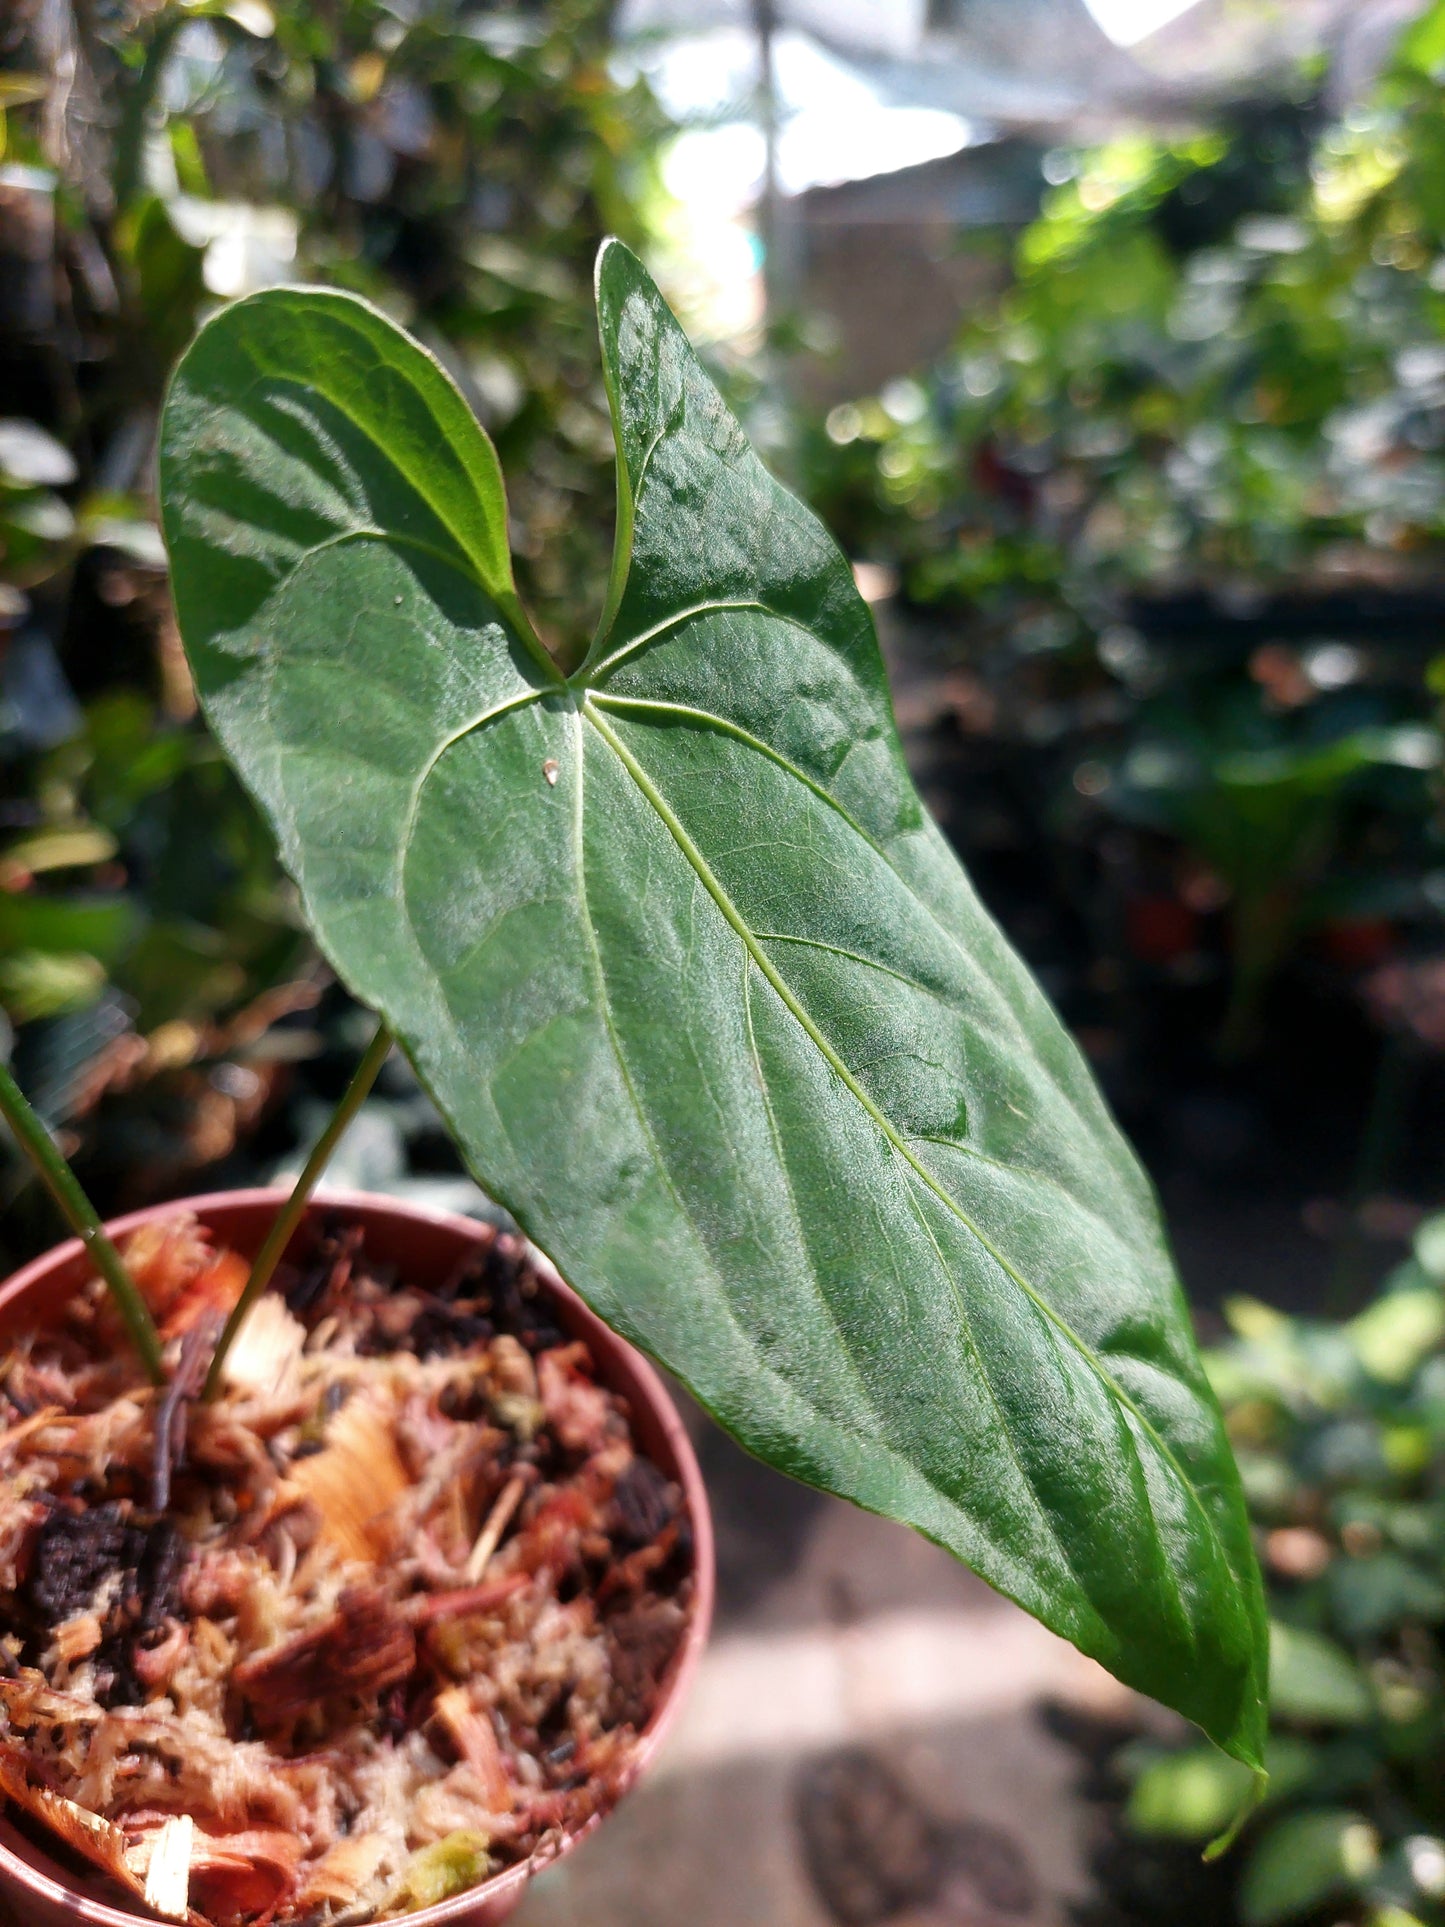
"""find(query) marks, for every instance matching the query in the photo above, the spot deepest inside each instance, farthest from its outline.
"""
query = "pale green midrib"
(854, 1369)
(1100, 1635)
(1047, 1178)
(708, 717)
(914, 1470)
(1006, 1425)
(581, 678)
(1031, 1171)
(508, 706)
(732, 915)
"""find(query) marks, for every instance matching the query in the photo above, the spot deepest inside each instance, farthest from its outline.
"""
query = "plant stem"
(35, 1141)
(292, 1212)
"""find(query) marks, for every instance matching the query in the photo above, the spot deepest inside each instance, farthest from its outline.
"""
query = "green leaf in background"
(1305, 1860)
(1372, 1595)
(1399, 1331)
(1423, 43)
(1430, 1247)
(702, 991)
(39, 983)
(1313, 1680)
(1193, 1794)
(102, 925)
(57, 847)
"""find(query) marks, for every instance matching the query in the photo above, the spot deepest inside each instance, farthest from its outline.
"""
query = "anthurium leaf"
(703, 993)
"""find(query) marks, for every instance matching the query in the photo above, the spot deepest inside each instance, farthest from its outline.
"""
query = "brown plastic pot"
(425, 1246)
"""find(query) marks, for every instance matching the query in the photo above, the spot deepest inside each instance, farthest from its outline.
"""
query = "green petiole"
(35, 1141)
(291, 1213)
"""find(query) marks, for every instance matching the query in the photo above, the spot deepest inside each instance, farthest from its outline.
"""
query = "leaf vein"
(766, 1094)
(728, 728)
(853, 956)
(428, 769)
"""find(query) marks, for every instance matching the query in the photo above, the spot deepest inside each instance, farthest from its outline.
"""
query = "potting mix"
(384, 1617)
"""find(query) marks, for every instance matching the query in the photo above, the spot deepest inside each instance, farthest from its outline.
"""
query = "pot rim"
(18, 1876)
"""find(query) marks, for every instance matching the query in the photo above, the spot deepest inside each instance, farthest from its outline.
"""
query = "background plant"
(1189, 466)
(1340, 1433)
(458, 162)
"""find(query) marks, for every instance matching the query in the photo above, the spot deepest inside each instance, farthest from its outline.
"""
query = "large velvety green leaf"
(706, 998)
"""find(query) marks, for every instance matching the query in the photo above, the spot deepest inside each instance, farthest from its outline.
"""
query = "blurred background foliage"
(457, 164)
(1220, 353)
(1176, 504)
(1339, 1428)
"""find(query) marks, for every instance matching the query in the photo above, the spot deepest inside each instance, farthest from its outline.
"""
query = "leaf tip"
(1259, 1786)
(611, 253)
(619, 272)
